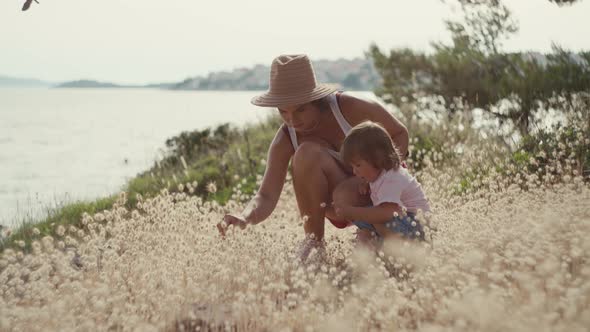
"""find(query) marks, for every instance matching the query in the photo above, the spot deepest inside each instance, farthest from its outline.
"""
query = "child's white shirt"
(399, 187)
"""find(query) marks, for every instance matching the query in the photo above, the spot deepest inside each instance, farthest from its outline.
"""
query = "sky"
(151, 41)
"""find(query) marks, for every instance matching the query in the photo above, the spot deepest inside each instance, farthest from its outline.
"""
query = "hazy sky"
(147, 41)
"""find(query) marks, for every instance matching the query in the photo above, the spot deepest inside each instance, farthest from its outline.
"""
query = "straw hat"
(292, 82)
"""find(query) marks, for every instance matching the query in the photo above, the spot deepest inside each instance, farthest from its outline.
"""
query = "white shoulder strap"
(344, 125)
(293, 137)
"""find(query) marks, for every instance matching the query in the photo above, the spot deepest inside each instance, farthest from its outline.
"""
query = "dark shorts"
(407, 226)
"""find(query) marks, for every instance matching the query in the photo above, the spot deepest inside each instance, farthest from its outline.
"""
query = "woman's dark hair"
(323, 104)
(371, 142)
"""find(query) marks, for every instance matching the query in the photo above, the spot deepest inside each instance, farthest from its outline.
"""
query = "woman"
(316, 119)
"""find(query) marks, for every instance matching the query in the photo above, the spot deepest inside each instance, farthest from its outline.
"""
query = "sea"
(59, 146)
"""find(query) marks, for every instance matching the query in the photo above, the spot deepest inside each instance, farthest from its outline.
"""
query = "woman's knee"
(308, 155)
(342, 194)
(347, 192)
(314, 166)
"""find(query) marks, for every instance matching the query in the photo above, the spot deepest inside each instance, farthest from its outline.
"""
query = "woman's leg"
(315, 175)
(347, 193)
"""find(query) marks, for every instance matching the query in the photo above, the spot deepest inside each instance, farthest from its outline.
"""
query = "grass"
(69, 214)
(505, 256)
(232, 158)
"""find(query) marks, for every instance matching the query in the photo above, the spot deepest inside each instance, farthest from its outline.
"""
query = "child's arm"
(373, 215)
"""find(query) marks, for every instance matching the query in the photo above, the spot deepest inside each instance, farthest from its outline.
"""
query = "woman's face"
(302, 118)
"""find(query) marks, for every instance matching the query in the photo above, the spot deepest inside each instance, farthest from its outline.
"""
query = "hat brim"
(272, 100)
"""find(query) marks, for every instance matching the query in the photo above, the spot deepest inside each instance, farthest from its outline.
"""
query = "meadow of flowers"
(507, 249)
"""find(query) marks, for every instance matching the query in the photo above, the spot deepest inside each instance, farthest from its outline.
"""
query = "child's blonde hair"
(371, 142)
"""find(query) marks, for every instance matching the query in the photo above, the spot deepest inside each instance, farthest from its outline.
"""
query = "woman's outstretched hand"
(230, 219)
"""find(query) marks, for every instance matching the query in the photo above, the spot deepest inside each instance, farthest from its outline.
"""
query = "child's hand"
(364, 188)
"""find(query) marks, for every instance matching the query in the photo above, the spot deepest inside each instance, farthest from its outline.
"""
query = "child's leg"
(373, 231)
(406, 227)
(389, 235)
(366, 235)
(367, 240)
(381, 229)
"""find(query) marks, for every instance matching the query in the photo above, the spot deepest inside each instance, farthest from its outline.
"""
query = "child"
(395, 194)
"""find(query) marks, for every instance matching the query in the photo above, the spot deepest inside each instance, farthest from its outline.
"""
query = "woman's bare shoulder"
(357, 110)
(281, 145)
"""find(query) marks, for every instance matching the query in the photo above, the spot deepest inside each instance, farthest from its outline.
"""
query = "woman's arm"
(265, 200)
(379, 214)
(357, 110)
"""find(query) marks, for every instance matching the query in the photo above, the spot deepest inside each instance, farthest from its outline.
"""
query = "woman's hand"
(230, 219)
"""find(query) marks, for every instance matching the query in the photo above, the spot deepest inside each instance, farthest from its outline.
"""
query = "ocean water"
(62, 145)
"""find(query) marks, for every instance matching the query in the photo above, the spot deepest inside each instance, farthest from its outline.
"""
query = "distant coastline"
(356, 74)
(98, 84)
(15, 82)
(351, 74)
(88, 84)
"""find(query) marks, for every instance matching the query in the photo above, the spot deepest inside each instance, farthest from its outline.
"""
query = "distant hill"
(158, 85)
(97, 84)
(355, 74)
(88, 84)
(14, 82)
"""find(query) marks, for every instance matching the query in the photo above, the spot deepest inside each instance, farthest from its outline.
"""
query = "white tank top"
(344, 125)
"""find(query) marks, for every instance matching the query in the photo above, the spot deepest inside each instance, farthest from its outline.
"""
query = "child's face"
(363, 169)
